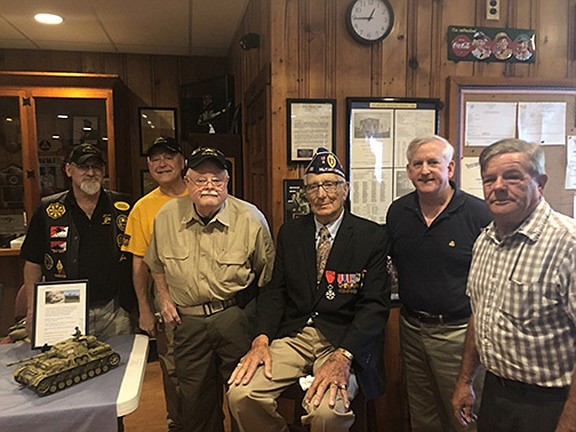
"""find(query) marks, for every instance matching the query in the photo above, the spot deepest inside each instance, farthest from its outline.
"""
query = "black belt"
(431, 318)
(517, 385)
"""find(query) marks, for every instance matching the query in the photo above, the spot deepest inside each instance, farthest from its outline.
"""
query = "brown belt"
(207, 309)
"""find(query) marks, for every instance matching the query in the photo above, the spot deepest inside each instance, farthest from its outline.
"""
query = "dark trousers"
(206, 351)
(513, 406)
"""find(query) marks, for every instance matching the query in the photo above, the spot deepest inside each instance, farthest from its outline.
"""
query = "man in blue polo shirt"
(432, 231)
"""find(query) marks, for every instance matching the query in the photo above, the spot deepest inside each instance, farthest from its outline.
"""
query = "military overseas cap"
(82, 152)
(164, 143)
(324, 162)
(202, 154)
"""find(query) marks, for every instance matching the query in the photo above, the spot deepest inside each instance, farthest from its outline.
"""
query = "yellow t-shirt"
(140, 222)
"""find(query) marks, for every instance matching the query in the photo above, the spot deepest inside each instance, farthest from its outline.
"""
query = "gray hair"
(447, 152)
(534, 152)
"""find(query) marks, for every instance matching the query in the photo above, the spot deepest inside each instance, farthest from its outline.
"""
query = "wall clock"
(369, 21)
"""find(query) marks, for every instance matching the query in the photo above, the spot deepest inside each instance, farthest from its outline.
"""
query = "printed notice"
(487, 122)
(60, 311)
(571, 163)
(543, 123)
(470, 178)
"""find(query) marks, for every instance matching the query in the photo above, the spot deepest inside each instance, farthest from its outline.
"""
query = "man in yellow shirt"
(165, 163)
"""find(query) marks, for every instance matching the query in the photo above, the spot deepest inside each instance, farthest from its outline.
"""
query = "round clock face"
(370, 21)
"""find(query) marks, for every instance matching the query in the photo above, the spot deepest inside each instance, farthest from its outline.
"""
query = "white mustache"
(209, 193)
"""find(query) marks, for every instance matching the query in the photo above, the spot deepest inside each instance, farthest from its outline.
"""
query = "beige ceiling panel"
(215, 22)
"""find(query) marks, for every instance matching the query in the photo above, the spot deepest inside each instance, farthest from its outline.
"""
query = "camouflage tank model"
(66, 363)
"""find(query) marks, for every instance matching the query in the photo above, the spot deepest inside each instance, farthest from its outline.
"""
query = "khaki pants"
(431, 356)
(254, 405)
(206, 351)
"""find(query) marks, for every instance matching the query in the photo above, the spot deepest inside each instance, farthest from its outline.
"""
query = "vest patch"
(61, 273)
(58, 231)
(48, 262)
(106, 219)
(119, 240)
(122, 205)
(121, 222)
(58, 246)
(55, 210)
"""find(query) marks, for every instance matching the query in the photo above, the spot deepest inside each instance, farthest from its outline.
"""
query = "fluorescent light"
(62, 116)
(46, 18)
(56, 137)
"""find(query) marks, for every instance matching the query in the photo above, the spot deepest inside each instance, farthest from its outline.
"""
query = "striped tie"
(322, 252)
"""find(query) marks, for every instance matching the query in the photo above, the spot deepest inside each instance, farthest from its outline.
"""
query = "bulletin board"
(465, 93)
(379, 131)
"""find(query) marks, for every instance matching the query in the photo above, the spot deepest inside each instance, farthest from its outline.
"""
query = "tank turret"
(66, 363)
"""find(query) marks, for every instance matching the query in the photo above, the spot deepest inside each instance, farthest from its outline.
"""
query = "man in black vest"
(77, 234)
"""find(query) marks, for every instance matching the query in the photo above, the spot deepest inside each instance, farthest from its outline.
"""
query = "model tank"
(66, 363)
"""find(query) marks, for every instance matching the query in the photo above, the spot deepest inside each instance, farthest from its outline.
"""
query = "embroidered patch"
(61, 273)
(55, 210)
(119, 240)
(106, 219)
(48, 262)
(121, 222)
(122, 205)
(58, 231)
(58, 246)
(126, 241)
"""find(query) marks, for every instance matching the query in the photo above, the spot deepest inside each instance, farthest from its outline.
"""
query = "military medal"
(330, 276)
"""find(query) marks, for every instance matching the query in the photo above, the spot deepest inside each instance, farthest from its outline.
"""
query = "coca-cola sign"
(489, 44)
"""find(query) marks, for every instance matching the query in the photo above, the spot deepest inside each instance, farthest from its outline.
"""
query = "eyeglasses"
(88, 167)
(328, 186)
(202, 182)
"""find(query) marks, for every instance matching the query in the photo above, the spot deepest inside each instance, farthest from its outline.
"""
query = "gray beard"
(90, 187)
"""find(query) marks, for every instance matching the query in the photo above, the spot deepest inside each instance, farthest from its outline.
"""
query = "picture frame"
(295, 202)
(311, 123)
(379, 131)
(153, 123)
(60, 310)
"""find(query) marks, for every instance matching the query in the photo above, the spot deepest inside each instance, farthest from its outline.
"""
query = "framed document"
(153, 123)
(311, 124)
(60, 311)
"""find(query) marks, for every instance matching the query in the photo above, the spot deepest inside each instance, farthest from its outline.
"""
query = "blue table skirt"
(87, 406)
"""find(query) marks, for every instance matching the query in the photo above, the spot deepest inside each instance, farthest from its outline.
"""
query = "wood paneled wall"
(148, 81)
(310, 54)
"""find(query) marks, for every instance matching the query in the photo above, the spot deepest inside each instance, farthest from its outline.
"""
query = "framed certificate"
(311, 124)
(60, 311)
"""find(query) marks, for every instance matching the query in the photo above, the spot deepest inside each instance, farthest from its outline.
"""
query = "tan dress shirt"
(210, 262)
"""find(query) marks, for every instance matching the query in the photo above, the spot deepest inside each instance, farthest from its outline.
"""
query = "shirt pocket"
(177, 267)
(528, 306)
(233, 269)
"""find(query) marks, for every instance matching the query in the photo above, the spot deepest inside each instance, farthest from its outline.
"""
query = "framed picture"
(295, 201)
(147, 183)
(60, 310)
(311, 124)
(85, 130)
(153, 123)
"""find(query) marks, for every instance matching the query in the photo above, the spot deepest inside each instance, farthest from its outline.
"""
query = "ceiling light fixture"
(46, 18)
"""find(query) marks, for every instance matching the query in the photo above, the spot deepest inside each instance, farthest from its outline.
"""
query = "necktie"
(322, 252)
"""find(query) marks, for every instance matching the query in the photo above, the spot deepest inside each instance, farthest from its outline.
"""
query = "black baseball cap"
(202, 154)
(82, 152)
(164, 143)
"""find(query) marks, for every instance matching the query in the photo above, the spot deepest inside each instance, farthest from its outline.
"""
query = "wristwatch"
(346, 353)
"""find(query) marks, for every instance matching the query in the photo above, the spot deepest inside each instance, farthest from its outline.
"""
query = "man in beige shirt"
(208, 255)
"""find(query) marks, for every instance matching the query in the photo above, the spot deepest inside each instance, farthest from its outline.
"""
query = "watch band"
(346, 353)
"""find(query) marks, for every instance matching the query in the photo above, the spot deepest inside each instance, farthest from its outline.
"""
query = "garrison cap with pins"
(323, 162)
(82, 152)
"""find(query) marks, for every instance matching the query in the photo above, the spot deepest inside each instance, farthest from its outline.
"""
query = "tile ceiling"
(172, 27)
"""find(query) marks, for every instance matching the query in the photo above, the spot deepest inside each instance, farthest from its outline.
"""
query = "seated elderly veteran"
(323, 313)
(208, 255)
